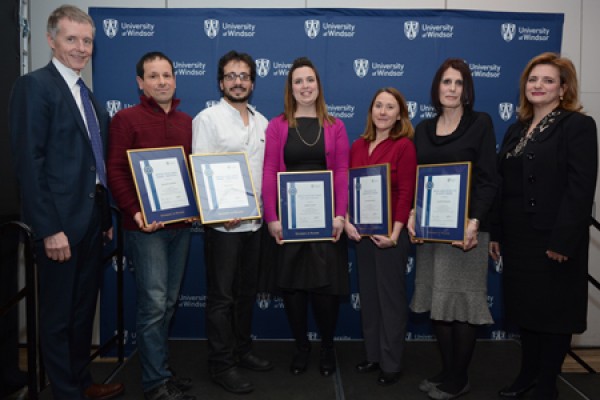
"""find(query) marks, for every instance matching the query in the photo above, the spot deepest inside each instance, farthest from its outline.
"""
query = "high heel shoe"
(327, 361)
(300, 361)
(437, 394)
(512, 392)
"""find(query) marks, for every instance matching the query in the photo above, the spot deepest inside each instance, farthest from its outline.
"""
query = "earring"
(561, 98)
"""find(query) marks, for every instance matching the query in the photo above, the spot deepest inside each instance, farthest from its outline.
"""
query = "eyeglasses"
(232, 76)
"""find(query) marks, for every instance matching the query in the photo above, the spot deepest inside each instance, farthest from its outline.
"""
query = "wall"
(580, 29)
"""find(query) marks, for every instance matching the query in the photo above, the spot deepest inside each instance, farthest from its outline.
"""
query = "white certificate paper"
(441, 201)
(306, 205)
(369, 208)
(164, 184)
(225, 185)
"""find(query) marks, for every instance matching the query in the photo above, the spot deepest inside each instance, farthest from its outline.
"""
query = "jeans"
(159, 261)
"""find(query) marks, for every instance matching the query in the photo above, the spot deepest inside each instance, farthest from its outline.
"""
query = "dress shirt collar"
(234, 110)
(70, 76)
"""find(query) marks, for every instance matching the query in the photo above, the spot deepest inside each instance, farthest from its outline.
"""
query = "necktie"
(94, 131)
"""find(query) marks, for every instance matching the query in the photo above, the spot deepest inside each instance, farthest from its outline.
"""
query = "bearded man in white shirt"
(232, 249)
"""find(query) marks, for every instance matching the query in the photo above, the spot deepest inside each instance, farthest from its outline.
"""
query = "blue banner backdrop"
(357, 51)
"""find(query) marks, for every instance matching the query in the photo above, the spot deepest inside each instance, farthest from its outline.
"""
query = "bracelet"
(475, 221)
(394, 242)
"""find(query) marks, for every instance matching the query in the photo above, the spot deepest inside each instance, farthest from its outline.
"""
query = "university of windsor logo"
(111, 26)
(411, 29)
(211, 28)
(355, 300)
(498, 335)
(263, 299)
(263, 66)
(312, 28)
(412, 109)
(112, 107)
(505, 110)
(361, 67)
(508, 31)
(410, 265)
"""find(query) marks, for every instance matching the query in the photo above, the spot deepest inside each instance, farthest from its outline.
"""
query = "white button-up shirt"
(220, 129)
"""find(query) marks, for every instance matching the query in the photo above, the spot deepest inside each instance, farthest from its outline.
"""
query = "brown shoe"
(104, 392)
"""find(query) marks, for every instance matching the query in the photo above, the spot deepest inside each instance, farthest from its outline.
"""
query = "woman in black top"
(451, 279)
(548, 164)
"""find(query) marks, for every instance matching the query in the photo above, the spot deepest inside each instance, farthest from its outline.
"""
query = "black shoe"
(183, 384)
(327, 361)
(167, 391)
(233, 381)
(513, 393)
(388, 378)
(300, 361)
(367, 366)
(254, 362)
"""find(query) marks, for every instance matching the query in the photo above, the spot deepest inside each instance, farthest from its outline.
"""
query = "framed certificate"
(369, 203)
(442, 201)
(163, 185)
(224, 187)
(305, 205)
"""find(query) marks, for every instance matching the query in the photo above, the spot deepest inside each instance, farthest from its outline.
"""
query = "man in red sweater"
(158, 252)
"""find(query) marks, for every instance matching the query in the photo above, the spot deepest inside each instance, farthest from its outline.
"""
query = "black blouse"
(473, 140)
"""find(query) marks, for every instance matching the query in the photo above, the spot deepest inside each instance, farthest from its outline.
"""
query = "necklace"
(527, 136)
(304, 141)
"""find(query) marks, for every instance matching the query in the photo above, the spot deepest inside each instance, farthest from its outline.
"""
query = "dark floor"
(493, 366)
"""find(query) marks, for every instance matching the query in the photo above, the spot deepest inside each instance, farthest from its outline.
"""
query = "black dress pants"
(232, 260)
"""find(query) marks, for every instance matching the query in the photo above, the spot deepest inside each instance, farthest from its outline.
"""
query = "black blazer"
(559, 178)
(53, 155)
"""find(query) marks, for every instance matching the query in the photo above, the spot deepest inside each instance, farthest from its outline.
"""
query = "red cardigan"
(402, 157)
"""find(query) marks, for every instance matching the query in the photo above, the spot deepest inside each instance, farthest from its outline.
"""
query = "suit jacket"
(53, 155)
(559, 179)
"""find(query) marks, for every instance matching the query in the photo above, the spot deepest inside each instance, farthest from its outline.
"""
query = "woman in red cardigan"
(382, 259)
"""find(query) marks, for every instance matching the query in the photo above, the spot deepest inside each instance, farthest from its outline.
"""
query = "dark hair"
(402, 127)
(568, 80)
(235, 56)
(153, 55)
(289, 102)
(71, 13)
(467, 99)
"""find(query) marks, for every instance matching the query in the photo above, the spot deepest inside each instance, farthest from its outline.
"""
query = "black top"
(297, 154)
(473, 140)
(559, 178)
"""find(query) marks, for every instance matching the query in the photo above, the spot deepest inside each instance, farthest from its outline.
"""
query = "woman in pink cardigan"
(304, 138)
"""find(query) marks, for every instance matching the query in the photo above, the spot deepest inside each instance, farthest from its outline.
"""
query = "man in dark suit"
(58, 137)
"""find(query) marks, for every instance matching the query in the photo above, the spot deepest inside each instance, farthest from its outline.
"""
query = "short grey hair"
(71, 13)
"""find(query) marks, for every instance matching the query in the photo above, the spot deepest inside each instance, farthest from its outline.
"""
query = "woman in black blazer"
(548, 164)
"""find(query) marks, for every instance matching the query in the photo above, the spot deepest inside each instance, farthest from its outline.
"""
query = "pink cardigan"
(337, 150)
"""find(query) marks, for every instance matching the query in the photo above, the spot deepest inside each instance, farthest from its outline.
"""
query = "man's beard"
(233, 99)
